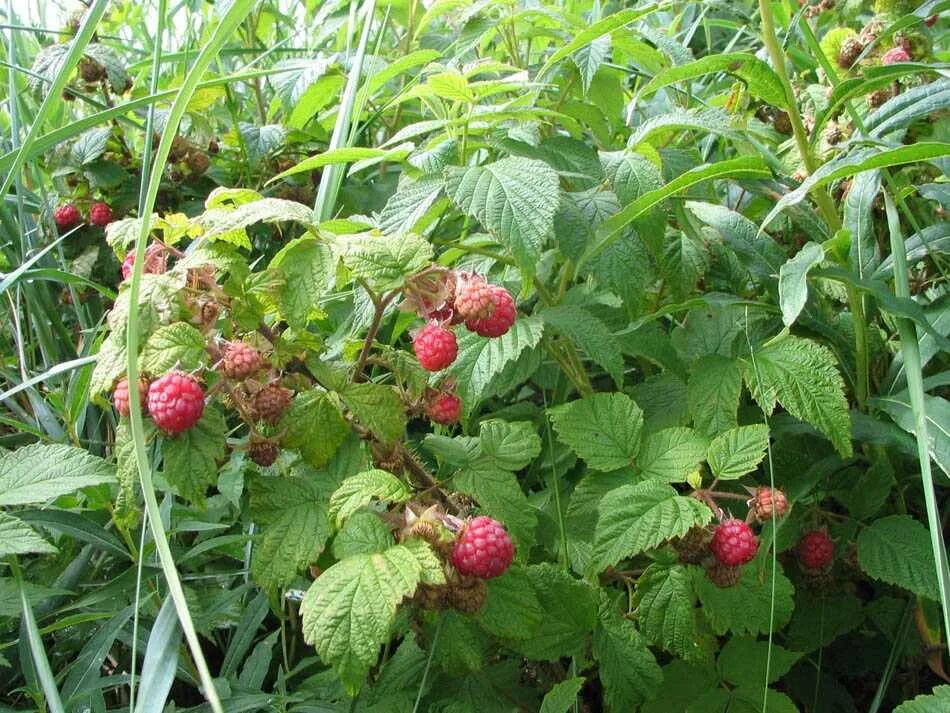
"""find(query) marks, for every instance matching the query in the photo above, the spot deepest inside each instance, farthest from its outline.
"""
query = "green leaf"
(346, 154)
(348, 611)
(38, 473)
(603, 429)
(589, 59)
(590, 334)
(937, 411)
(802, 376)
(358, 490)
(363, 533)
(713, 392)
(515, 199)
(628, 671)
(580, 521)
(379, 408)
(864, 254)
(709, 120)
(858, 162)
(509, 446)
(18, 538)
(220, 223)
(293, 511)
(191, 458)
(89, 145)
(745, 608)
(743, 661)
(670, 454)
(411, 201)
(738, 451)
(570, 607)
(384, 261)
(511, 609)
(479, 360)
(306, 266)
(897, 550)
(793, 281)
(937, 702)
(314, 426)
(499, 494)
(175, 346)
(640, 517)
(665, 602)
(562, 696)
(758, 252)
(682, 684)
(75, 525)
(630, 174)
(759, 79)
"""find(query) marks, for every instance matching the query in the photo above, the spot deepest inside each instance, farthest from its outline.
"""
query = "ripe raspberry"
(155, 261)
(722, 575)
(271, 402)
(483, 549)
(120, 395)
(175, 402)
(66, 216)
(768, 501)
(693, 547)
(501, 318)
(435, 347)
(444, 408)
(240, 360)
(474, 297)
(264, 453)
(733, 543)
(816, 550)
(895, 55)
(467, 596)
(100, 214)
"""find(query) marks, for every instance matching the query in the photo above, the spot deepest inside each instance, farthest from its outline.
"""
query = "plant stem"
(825, 204)
(380, 308)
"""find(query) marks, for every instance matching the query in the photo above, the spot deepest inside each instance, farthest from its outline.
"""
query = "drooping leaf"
(603, 429)
(590, 334)
(191, 457)
(314, 426)
(793, 281)
(384, 261)
(759, 79)
(40, 472)
(713, 391)
(358, 490)
(897, 550)
(746, 608)
(628, 670)
(738, 451)
(670, 454)
(306, 267)
(18, 538)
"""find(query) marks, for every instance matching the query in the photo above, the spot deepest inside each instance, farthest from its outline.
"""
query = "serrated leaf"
(793, 281)
(746, 607)
(580, 521)
(191, 458)
(897, 550)
(177, 345)
(511, 609)
(937, 702)
(670, 454)
(603, 429)
(112, 62)
(590, 334)
(802, 376)
(358, 490)
(759, 79)
(665, 603)
(589, 59)
(362, 533)
(218, 223)
(509, 446)
(499, 495)
(431, 570)
(515, 199)
(348, 611)
(412, 199)
(628, 670)
(18, 538)
(89, 145)
(479, 360)
(743, 661)
(738, 451)
(111, 363)
(40, 472)
(571, 613)
(307, 267)
(295, 532)
(713, 391)
(379, 408)
(314, 426)
(640, 517)
(385, 260)
(864, 254)
(562, 696)
(631, 174)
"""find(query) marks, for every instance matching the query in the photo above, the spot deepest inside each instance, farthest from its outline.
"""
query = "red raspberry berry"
(474, 297)
(767, 502)
(66, 216)
(240, 360)
(435, 347)
(444, 408)
(175, 402)
(895, 55)
(722, 575)
(271, 402)
(816, 550)
(733, 543)
(100, 214)
(155, 261)
(264, 453)
(483, 549)
(120, 395)
(501, 319)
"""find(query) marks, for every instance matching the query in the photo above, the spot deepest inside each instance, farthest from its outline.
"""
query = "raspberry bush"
(506, 357)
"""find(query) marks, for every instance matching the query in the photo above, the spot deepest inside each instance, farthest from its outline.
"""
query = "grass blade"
(37, 651)
(161, 660)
